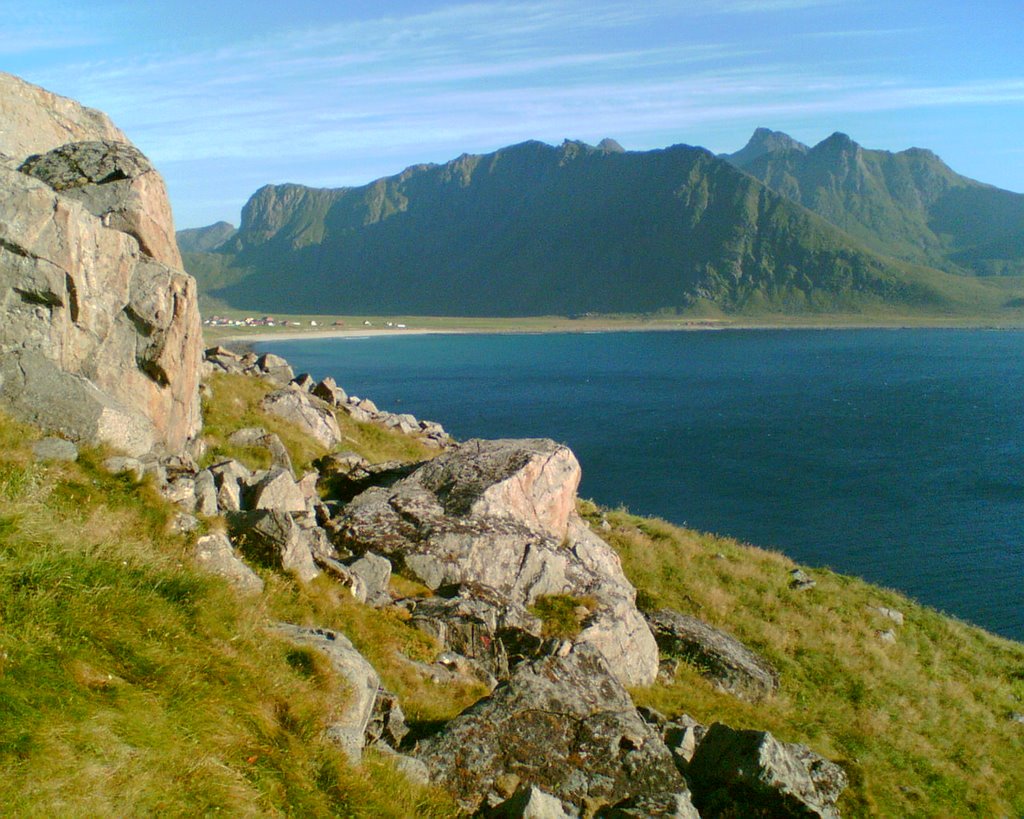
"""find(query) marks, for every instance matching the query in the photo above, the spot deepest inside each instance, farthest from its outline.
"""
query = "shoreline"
(523, 327)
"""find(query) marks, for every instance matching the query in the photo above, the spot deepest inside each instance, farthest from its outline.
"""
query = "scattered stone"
(356, 701)
(743, 773)
(117, 464)
(272, 367)
(893, 614)
(214, 553)
(54, 449)
(184, 523)
(328, 390)
(886, 635)
(205, 488)
(1017, 716)
(230, 477)
(276, 489)
(563, 724)
(375, 572)
(181, 491)
(310, 414)
(273, 539)
(801, 581)
(528, 802)
(719, 657)
(304, 381)
(682, 736)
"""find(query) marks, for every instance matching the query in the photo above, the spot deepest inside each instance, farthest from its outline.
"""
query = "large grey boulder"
(270, 441)
(307, 412)
(737, 773)
(99, 335)
(500, 514)
(720, 657)
(561, 723)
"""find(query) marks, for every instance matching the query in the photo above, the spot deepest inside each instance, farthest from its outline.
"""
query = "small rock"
(801, 581)
(304, 381)
(120, 463)
(375, 571)
(886, 636)
(54, 449)
(677, 805)
(893, 614)
(276, 490)
(327, 390)
(529, 802)
(214, 553)
(183, 523)
(721, 658)
(1016, 716)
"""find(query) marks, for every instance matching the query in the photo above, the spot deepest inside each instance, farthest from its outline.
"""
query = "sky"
(226, 96)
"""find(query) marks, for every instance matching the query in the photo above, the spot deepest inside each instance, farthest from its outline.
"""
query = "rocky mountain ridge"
(536, 229)
(908, 205)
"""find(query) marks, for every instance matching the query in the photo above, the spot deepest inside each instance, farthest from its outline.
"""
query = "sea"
(894, 455)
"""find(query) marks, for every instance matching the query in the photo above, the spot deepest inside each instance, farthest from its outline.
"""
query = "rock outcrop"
(724, 660)
(500, 516)
(751, 773)
(561, 723)
(100, 337)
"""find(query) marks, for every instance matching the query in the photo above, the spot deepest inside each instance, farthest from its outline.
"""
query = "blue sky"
(227, 96)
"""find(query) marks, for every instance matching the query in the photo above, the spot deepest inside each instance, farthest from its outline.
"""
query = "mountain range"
(532, 229)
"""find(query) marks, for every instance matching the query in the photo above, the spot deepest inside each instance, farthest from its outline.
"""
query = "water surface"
(895, 455)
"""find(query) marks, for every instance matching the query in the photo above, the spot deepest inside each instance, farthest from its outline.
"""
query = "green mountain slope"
(909, 205)
(535, 229)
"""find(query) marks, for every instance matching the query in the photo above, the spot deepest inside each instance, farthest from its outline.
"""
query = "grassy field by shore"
(331, 326)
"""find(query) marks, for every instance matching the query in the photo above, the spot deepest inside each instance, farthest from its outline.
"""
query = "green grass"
(562, 615)
(235, 403)
(922, 726)
(132, 684)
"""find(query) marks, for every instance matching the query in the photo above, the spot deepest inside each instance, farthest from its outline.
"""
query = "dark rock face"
(751, 773)
(722, 658)
(564, 724)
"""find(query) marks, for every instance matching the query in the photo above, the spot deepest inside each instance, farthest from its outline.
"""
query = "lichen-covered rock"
(307, 412)
(721, 658)
(116, 183)
(751, 773)
(500, 515)
(99, 338)
(562, 723)
(677, 805)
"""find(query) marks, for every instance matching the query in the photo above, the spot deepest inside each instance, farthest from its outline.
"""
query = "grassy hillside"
(130, 683)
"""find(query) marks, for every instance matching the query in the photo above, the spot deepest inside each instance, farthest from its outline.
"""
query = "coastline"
(534, 326)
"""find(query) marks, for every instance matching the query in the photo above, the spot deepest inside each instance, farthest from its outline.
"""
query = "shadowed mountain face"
(909, 205)
(534, 229)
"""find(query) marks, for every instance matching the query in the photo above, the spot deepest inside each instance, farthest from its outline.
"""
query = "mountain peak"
(610, 146)
(764, 141)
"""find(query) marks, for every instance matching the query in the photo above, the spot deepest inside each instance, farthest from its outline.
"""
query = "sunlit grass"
(921, 726)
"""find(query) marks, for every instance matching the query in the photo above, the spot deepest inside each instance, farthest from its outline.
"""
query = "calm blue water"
(896, 455)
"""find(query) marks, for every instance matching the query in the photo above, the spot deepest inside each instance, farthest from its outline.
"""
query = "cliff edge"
(100, 338)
